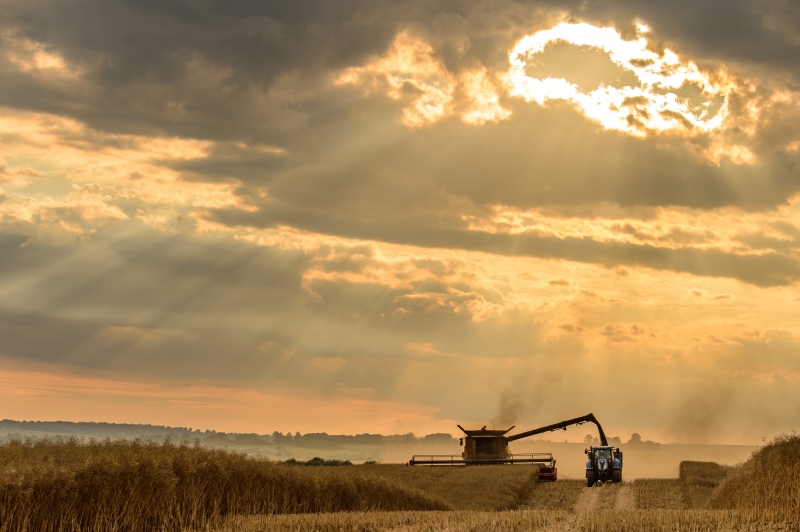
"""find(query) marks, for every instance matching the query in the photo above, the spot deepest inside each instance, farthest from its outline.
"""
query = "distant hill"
(98, 430)
(318, 440)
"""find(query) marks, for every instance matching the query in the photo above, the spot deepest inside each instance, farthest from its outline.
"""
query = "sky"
(395, 216)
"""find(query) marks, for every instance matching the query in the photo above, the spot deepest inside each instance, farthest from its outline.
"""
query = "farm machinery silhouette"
(490, 447)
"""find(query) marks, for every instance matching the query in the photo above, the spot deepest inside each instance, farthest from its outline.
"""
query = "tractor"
(603, 464)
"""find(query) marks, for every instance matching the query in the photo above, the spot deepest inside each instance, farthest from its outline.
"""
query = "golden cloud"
(103, 168)
(422, 284)
(409, 71)
(725, 229)
(35, 57)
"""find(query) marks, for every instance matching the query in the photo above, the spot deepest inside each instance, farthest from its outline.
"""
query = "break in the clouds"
(653, 104)
(436, 210)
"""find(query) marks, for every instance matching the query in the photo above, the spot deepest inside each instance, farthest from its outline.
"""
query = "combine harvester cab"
(603, 464)
(484, 444)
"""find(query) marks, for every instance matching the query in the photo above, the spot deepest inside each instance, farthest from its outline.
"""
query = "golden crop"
(699, 480)
(514, 521)
(460, 488)
(769, 480)
(659, 493)
(134, 486)
(561, 495)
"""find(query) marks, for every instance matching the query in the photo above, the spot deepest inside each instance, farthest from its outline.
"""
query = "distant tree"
(439, 437)
(279, 438)
(400, 438)
(635, 438)
(366, 439)
(220, 438)
(615, 440)
(249, 439)
(317, 461)
(588, 439)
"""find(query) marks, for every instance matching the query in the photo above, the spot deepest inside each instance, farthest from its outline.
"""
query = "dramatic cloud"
(441, 211)
(410, 69)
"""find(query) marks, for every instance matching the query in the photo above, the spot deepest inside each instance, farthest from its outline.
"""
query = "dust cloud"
(512, 406)
(700, 413)
(640, 461)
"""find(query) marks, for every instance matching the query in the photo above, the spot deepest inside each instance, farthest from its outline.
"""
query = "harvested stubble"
(400, 522)
(461, 488)
(679, 520)
(659, 494)
(607, 496)
(513, 521)
(137, 486)
(559, 495)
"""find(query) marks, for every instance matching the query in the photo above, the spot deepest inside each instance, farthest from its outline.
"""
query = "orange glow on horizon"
(29, 390)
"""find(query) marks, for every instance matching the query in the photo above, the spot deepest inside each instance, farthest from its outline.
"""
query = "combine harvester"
(490, 447)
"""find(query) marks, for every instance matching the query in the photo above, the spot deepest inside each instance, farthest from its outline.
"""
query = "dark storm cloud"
(235, 161)
(743, 32)
(201, 277)
(201, 68)
(144, 58)
(250, 73)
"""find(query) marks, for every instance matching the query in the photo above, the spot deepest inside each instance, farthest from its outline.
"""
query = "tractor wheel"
(616, 476)
(591, 479)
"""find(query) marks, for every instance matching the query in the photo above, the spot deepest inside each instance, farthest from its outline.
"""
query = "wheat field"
(137, 486)
(132, 486)
(560, 495)
(770, 479)
(514, 521)
(459, 488)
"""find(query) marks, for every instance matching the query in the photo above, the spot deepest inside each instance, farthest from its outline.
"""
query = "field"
(470, 488)
(513, 521)
(133, 486)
